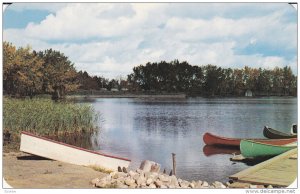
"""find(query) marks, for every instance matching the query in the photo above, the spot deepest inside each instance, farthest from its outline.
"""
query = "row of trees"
(28, 73)
(88, 82)
(211, 80)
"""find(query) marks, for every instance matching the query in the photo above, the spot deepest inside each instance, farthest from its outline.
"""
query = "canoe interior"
(275, 134)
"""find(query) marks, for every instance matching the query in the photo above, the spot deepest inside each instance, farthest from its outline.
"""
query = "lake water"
(141, 129)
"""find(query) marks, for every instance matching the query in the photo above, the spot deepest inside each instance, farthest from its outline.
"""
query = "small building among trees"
(114, 90)
(248, 93)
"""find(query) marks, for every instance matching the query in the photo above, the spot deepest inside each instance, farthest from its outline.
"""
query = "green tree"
(212, 79)
(277, 80)
(289, 81)
(59, 74)
(238, 82)
(22, 71)
(9, 67)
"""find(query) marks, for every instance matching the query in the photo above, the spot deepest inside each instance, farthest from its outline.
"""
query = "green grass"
(45, 117)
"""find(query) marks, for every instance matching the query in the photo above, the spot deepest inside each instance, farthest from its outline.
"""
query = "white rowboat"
(55, 150)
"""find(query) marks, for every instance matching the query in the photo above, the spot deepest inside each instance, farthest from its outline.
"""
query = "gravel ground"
(21, 170)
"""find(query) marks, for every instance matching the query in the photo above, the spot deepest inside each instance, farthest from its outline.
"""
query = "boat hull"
(51, 149)
(275, 134)
(253, 149)
(211, 139)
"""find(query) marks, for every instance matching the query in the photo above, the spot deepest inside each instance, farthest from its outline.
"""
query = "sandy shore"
(21, 170)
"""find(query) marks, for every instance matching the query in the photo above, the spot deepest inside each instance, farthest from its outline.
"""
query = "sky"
(109, 39)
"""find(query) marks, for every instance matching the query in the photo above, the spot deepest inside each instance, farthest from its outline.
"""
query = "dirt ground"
(21, 170)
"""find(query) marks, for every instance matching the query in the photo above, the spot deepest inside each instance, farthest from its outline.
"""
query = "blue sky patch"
(266, 50)
(20, 19)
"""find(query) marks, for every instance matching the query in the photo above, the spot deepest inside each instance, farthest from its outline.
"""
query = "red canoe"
(210, 139)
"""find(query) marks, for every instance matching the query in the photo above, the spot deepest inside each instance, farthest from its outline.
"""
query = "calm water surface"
(143, 129)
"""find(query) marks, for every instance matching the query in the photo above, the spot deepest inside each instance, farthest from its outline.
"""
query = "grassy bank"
(45, 117)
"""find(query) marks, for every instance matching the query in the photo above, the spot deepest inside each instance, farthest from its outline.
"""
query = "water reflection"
(165, 124)
(210, 150)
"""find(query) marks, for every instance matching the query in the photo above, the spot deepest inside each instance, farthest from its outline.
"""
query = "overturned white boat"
(41, 146)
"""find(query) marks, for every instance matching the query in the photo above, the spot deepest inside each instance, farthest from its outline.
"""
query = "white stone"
(101, 184)
(198, 184)
(129, 181)
(120, 185)
(184, 184)
(140, 180)
(118, 175)
(158, 183)
(171, 186)
(150, 166)
(121, 179)
(108, 178)
(132, 186)
(142, 174)
(139, 171)
(147, 175)
(164, 178)
(131, 173)
(192, 185)
(112, 173)
(153, 177)
(219, 185)
(149, 181)
(136, 176)
(205, 184)
(163, 187)
(152, 186)
(174, 180)
(94, 181)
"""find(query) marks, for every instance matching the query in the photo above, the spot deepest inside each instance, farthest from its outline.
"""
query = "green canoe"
(252, 149)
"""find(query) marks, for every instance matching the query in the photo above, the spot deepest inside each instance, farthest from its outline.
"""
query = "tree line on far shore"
(29, 73)
(210, 80)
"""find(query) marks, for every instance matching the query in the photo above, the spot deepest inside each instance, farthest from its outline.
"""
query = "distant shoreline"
(165, 96)
(161, 96)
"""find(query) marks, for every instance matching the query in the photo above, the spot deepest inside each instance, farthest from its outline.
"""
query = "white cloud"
(253, 41)
(109, 39)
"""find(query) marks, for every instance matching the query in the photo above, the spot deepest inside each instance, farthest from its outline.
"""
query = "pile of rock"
(142, 179)
(149, 176)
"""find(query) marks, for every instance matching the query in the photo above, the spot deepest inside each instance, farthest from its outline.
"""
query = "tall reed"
(45, 117)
